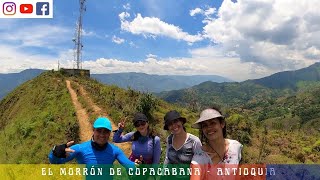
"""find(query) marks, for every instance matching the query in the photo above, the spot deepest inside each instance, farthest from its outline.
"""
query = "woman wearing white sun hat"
(216, 148)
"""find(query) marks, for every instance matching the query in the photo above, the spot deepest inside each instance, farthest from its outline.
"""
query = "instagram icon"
(9, 8)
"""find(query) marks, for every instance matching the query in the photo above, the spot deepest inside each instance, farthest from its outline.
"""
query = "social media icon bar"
(26, 9)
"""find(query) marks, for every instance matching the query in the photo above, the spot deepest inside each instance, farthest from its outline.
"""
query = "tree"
(147, 105)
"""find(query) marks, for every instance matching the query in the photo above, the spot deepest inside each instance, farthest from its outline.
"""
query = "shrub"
(316, 147)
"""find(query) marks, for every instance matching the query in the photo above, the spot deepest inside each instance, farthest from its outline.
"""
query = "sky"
(239, 40)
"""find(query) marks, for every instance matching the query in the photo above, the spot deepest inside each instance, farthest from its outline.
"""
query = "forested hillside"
(39, 114)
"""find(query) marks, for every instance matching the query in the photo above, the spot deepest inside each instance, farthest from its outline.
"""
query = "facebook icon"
(42, 8)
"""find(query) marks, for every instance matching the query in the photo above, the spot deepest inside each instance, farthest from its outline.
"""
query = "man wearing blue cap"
(95, 151)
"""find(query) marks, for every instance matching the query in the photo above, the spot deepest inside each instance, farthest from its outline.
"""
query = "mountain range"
(41, 113)
(155, 83)
(234, 94)
(289, 79)
(137, 81)
(10, 81)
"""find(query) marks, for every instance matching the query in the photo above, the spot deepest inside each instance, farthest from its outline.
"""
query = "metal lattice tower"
(78, 37)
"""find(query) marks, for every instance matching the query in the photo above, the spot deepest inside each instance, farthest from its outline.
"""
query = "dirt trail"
(82, 116)
(126, 147)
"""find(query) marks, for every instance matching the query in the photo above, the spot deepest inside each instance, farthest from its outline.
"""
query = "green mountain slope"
(289, 79)
(39, 114)
(303, 105)
(227, 94)
(232, 94)
(33, 117)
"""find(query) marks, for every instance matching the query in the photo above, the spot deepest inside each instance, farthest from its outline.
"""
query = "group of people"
(181, 147)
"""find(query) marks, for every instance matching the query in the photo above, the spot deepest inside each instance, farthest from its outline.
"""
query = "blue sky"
(240, 40)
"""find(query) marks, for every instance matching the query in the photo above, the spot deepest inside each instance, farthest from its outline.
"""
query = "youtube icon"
(26, 8)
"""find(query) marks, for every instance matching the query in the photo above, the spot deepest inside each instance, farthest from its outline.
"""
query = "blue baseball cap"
(102, 122)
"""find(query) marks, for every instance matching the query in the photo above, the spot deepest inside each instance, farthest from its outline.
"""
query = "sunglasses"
(140, 123)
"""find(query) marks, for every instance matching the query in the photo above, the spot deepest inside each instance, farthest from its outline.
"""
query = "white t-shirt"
(232, 156)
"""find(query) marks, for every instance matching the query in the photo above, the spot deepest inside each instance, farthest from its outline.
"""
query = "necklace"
(224, 154)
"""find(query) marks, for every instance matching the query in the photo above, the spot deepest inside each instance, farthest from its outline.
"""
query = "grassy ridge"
(34, 117)
(39, 114)
(259, 146)
(120, 103)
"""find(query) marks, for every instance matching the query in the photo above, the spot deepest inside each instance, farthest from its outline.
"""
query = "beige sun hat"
(206, 115)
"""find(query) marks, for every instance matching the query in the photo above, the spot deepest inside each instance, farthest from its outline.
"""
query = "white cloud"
(149, 65)
(209, 11)
(200, 63)
(195, 11)
(37, 46)
(46, 36)
(251, 39)
(151, 56)
(15, 60)
(123, 15)
(203, 61)
(277, 35)
(152, 27)
(126, 6)
(312, 53)
(117, 40)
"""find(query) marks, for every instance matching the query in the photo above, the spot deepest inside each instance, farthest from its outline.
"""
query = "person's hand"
(139, 161)
(63, 150)
(68, 149)
(121, 125)
(136, 164)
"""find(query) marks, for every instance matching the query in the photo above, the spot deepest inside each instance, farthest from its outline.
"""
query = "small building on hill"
(75, 72)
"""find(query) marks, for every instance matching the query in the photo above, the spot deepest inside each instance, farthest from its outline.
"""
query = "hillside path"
(126, 147)
(82, 116)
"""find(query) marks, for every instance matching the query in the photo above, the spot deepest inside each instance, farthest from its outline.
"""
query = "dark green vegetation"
(289, 79)
(120, 103)
(34, 117)
(275, 125)
(39, 114)
(264, 91)
(277, 117)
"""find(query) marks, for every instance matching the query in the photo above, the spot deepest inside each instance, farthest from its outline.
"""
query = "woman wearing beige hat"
(216, 148)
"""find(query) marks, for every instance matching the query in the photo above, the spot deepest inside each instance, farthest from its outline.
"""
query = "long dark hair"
(203, 138)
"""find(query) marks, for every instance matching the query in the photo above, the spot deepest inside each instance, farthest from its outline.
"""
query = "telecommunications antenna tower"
(78, 37)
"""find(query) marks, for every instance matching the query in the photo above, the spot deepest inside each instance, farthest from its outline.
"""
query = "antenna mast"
(78, 36)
